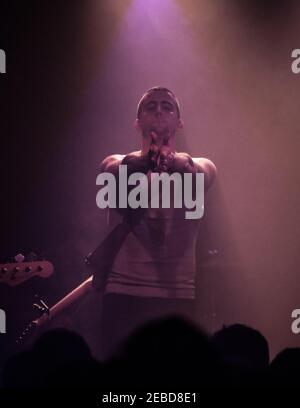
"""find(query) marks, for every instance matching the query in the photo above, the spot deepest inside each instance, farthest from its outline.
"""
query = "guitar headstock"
(18, 272)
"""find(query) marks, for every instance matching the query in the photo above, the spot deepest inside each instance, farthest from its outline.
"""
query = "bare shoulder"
(116, 159)
(136, 153)
(109, 161)
(205, 163)
(207, 167)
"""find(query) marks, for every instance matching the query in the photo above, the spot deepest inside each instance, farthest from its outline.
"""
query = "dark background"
(75, 72)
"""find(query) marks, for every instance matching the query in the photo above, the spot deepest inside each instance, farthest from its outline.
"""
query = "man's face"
(158, 113)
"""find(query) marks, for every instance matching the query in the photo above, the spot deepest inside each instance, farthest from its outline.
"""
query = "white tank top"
(157, 258)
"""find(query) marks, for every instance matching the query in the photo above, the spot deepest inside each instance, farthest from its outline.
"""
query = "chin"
(161, 129)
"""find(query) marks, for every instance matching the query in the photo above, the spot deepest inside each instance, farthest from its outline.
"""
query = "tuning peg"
(14, 273)
(4, 270)
(19, 258)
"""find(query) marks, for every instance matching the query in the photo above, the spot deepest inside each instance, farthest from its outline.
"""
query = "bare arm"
(207, 167)
(100, 260)
(184, 163)
(136, 162)
(173, 162)
(111, 164)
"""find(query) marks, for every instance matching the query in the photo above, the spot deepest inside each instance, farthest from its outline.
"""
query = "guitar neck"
(67, 301)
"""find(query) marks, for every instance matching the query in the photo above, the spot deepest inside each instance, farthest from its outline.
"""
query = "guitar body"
(99, 262)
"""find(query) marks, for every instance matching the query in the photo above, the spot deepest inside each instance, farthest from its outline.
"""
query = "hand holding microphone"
(166, 156)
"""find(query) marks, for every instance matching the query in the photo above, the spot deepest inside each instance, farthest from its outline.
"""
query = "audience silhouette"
(166, 354)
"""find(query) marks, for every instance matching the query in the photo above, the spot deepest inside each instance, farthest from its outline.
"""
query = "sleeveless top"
(157, 258)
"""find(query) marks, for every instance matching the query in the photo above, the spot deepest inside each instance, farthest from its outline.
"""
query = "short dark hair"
(154, 89)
